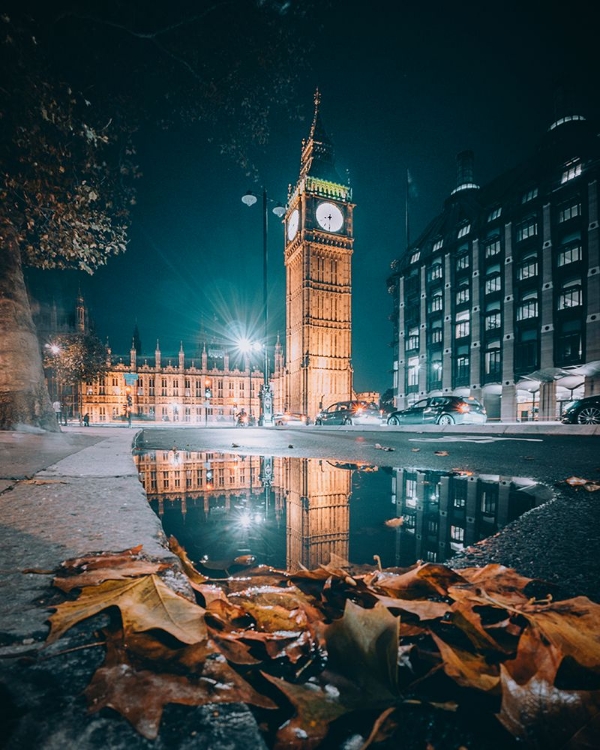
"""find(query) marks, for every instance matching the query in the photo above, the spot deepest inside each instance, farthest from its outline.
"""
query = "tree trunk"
(24, 399)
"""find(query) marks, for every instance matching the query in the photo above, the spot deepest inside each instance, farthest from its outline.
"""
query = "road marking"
(474, 439)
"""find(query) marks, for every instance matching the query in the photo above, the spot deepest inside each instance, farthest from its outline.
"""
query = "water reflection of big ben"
(318, 513)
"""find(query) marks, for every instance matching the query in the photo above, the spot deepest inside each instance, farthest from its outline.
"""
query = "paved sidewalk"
(61, 496)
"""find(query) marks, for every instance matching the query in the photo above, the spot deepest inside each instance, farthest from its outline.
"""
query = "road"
(547, 458)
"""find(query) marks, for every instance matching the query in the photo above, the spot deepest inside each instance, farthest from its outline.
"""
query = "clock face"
(330, 217)
(292, 226)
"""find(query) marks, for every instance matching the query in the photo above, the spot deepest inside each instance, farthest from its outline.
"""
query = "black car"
(350, 412)
(584, 411)
(441, 410)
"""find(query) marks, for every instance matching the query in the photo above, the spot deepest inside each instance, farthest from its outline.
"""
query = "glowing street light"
(266, 401)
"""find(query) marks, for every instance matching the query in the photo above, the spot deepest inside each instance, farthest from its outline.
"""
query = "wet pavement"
(78, 492)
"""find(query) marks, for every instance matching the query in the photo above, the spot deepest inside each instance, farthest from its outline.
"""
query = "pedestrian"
(57, 410)
(86, 420)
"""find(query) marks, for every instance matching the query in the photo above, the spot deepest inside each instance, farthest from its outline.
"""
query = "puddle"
(292, 512)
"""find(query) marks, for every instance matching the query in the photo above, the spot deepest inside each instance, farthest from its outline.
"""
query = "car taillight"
(359, 409)
(464, 408)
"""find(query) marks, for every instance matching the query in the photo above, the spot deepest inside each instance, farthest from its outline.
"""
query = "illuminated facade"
(318, 253)
(206, 390)
(499, 298)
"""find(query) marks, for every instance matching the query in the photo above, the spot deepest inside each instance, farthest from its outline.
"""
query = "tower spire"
(317, 159)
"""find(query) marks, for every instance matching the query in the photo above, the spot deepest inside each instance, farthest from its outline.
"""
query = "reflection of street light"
(266, 401)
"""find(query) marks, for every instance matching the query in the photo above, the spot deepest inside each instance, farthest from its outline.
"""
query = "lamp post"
(266, 397)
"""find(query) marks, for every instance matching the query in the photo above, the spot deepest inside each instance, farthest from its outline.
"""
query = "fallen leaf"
(394, 522)
(371, 637)
(423, 609)
(383, 447)
(570, 625)
(419, 581)
(441, 453)
(132, 569)
(415, 450)
(591, 487)
(534, 710)
(315, 708)
(145, 603)
(467, 669)
(140, 695)
(576, 481)
(196, 578)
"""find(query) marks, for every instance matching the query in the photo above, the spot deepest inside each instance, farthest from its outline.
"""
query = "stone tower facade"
(318, 253)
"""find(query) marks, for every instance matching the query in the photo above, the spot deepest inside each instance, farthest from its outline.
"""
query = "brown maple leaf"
(535, 710)
(140, 695)
(145, 603)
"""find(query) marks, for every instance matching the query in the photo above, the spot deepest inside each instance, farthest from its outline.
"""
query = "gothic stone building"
(207, 389)
(499, 298)
(318, 253)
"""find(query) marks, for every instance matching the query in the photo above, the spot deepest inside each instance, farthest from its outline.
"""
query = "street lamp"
(266, 400)
(246, 347)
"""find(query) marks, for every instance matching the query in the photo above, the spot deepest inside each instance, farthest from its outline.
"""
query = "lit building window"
(569, 255)
(493, 282)
(463, 231)
(572, 171)
(435, 272)
(463, 261)
(495, 214)
(493, 321)
(463, 294)
(457, 533)
(570, 211)
(571, 294)
(528, 307)
(528, 228)
(493, 248)
(462, 326)
(528, 267)
(437, 302)
(412, 374)
(435, 373)
(415, 256)
(412, 340)
(529, 195)
(437, 245)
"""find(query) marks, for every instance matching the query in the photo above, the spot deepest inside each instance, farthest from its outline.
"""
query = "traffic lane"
(548, 458)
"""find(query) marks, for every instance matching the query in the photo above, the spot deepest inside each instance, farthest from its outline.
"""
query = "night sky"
(403, 87)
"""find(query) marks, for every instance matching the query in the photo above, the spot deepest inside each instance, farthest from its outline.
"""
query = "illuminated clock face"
(292, 226)
(330, 217)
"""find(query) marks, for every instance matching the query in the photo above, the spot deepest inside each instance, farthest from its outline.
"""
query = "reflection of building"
(294, 512)
(318, 252)
(443, 513)
(499, 298)
(317, 496)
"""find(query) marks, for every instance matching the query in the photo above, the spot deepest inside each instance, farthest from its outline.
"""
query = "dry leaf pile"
(317, 648)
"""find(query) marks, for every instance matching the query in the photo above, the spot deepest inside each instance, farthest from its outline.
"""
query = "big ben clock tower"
(318, 252)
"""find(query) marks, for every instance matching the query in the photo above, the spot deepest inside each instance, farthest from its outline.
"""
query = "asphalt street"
(546, 458)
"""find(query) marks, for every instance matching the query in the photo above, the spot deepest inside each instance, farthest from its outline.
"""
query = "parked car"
(584, 411)
(441, 410)
(287, 417)
(350, 412)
